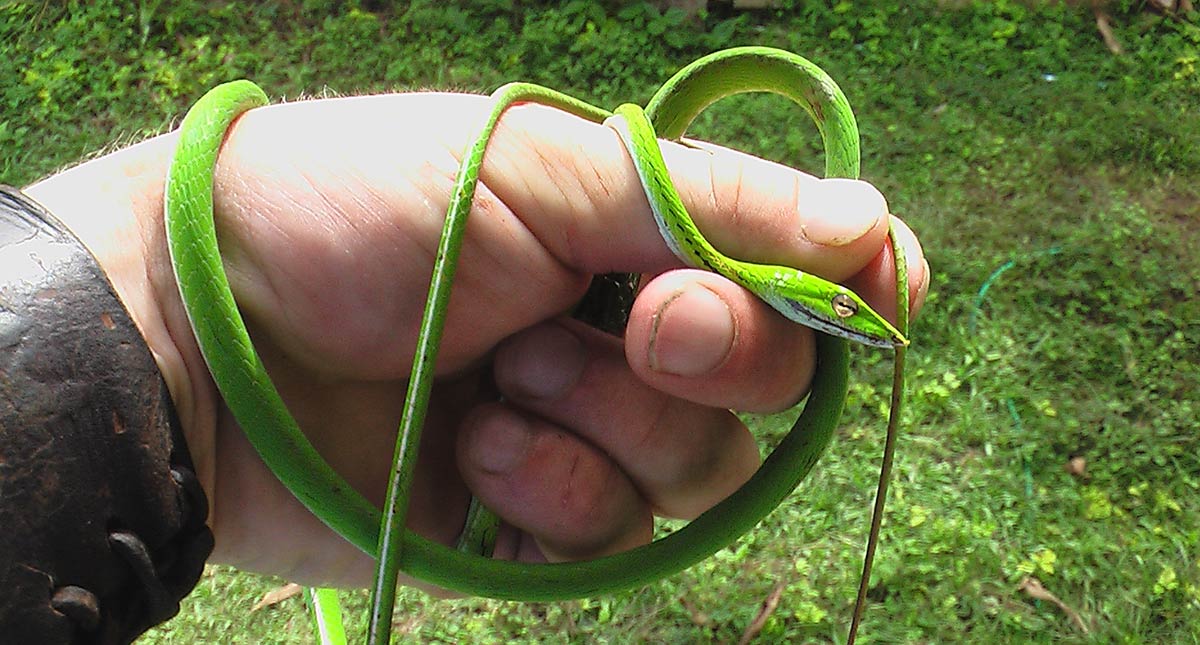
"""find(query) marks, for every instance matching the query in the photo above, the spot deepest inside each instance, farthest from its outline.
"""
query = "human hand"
(329, 212)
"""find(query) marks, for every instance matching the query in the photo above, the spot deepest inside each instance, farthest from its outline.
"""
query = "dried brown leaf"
(1077, 467)
(1034, 589)
(277, 595)
(1106, 32)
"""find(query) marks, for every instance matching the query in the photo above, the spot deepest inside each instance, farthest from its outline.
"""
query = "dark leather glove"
(102, 520)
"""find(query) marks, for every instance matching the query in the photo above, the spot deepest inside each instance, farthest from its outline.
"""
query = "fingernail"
(500, 444)
(543, 363)
(923, 285)
(839, 211)
(692, 333)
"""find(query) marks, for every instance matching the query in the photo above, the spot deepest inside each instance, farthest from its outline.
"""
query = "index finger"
(575, 187)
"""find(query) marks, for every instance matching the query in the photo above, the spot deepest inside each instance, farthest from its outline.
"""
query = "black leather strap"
(101, 518)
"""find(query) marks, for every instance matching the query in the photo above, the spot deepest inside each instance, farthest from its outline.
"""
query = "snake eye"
(844, 306)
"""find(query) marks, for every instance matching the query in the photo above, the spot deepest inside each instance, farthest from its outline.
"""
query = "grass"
(1003, 132)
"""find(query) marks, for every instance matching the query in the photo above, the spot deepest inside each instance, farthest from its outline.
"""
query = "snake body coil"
(254, 401)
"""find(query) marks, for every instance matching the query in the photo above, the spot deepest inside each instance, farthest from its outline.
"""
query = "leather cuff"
(102, 519)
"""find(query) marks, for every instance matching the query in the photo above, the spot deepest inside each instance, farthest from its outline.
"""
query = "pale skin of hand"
(329, 212)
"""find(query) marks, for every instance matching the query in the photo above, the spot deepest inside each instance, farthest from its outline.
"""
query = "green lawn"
(1053, 184)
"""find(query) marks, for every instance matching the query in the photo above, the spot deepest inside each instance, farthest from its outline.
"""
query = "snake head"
(828, 307)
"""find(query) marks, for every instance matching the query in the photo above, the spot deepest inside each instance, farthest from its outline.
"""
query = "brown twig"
(764, 612)
(699, 618)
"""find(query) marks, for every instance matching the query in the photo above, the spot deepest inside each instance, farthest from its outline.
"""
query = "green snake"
(835, 311)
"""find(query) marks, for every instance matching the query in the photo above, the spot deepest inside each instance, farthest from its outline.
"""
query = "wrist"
(114, 205)
(105, 519)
